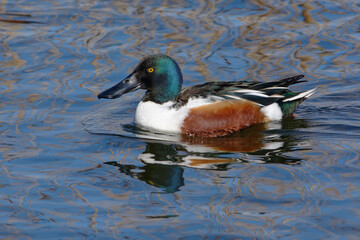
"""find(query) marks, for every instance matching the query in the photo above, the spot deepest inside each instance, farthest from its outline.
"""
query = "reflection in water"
(166, 177)
(54, 182)
(169, 178)
(164, 161)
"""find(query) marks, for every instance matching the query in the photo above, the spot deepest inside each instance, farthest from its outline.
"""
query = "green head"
(159, 74)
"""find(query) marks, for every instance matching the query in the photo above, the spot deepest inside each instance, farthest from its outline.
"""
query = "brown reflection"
(248, 140)
(207, 162)
(308, 7)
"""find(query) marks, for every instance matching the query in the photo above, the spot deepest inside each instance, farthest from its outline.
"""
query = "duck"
(210, 109)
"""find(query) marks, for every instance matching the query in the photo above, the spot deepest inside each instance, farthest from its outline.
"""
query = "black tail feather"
(291, 80)
(280, 83)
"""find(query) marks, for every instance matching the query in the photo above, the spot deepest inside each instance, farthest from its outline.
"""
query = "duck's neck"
(160, 97)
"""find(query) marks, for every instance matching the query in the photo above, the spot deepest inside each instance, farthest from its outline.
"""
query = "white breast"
(163, 117)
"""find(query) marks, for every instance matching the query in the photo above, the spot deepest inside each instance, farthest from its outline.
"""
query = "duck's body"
(210, 109)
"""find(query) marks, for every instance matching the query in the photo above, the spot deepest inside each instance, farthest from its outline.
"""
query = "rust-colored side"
(248, 140)
(222, 118)
(200, 162)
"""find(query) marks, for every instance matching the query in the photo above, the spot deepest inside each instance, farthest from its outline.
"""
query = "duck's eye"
(150, 70)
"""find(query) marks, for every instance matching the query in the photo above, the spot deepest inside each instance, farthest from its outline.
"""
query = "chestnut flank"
(221, 118)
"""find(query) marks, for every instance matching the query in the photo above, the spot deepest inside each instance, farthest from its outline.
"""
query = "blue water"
(75, 167)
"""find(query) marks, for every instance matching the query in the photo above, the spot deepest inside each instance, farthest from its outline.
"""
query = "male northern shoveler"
(210, 109)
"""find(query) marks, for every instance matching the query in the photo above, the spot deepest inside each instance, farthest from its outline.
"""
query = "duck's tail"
(292, 101)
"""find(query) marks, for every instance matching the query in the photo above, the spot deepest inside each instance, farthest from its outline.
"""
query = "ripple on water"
(298, 178)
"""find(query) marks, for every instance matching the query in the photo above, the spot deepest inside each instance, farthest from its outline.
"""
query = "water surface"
(73, 166)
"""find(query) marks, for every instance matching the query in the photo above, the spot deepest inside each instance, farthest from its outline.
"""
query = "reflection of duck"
(248, 140)
(217, 153)
(164, 161)
(210, 109)
(162, 176)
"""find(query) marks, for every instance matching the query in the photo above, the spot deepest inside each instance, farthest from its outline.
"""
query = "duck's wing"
(260, 93)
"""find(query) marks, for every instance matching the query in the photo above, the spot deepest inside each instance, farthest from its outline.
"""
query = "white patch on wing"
(276, 96)
(251, 92)
(270, 88)
(301, 95)
(165, 118)
(233, 97)
(272, 111)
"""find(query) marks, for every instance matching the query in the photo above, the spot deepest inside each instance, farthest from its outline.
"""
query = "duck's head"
(159, 74)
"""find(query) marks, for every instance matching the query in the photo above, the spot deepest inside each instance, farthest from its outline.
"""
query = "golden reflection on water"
(53, 173)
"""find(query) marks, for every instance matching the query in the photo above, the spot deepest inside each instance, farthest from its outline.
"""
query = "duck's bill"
(129, 84)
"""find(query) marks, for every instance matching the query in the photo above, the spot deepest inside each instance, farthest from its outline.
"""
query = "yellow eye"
(150, 70)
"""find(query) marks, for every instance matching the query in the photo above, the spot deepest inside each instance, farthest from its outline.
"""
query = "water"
(73, 166)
